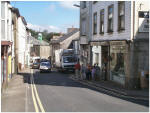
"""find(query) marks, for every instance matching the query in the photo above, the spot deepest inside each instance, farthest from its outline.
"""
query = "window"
(3, 20)
(84, 4)
(121, 15)
(110, 18)
(102, 21)
(83, 27)
(94, 2)
(95, 23)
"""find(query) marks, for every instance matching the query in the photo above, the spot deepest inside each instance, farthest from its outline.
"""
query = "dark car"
(36, 65)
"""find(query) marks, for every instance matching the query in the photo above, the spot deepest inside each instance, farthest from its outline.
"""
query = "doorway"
(105, 63)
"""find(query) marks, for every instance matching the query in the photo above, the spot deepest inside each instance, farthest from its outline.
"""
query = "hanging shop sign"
(143, 21)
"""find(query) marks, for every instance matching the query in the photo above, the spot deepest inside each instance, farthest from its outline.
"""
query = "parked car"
(35, 62)
(43, 60)
(45, 67)
(36, 65)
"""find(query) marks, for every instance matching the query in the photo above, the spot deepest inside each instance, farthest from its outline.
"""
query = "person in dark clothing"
(88, 72)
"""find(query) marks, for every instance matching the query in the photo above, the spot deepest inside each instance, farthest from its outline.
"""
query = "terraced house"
(13, 35)
(119, 41)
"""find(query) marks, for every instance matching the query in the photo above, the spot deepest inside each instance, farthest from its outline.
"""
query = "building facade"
(64, 42)
(22, 37)
(7, 45)
(85, 32)
(117, 44)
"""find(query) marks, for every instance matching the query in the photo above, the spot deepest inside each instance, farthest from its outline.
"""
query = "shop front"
(118, 60)
(100, 55)
(5, 45)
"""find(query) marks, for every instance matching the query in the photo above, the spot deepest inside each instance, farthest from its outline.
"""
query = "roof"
(64, 37)
(34, 41)
(16, 10)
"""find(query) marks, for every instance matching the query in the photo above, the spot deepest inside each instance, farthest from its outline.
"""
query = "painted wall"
(21, 42)
(44, 51)
(126, 34)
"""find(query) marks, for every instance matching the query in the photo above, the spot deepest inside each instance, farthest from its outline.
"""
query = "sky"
(53, 16)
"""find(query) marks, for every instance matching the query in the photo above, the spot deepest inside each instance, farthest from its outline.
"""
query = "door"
(105, 63)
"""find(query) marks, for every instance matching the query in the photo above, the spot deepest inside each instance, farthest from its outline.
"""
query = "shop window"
(110, 18)
(117, 66)
(121, 15)
(102, 21)
(95, 23)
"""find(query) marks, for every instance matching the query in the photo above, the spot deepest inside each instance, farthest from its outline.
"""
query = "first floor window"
(121, 15)
(102, 21)
(3, 29)
(110, 18)
(95, 23)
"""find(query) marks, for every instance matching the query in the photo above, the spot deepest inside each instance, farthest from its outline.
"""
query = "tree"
(46, 36)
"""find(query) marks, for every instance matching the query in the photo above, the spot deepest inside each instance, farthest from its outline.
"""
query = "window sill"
(101, 33)
(110, 32)
(83, 35)
(94, 33)
(121, 30)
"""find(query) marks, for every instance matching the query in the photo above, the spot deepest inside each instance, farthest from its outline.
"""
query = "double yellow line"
(35, 96)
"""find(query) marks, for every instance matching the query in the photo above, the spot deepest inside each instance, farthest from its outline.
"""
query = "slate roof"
(64, 37)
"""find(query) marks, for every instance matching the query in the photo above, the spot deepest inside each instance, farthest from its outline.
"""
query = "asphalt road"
(58, 93)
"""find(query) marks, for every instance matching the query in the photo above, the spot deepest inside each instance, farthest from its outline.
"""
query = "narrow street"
(58, 93)
(76, 56)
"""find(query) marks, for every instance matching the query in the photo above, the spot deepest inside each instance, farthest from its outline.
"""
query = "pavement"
(13, 98)
(142, 94)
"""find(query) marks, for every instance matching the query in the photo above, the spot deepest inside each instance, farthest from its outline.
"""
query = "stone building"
(39, 48)
(64, 42)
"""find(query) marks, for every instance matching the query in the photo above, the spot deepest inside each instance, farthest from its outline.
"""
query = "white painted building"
(22, 36)
(7, 42)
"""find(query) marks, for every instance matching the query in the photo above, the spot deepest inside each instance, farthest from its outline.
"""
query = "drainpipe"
(90, 30)
(133, 19)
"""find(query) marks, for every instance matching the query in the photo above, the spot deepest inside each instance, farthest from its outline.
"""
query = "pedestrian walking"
(93, 72)
(77, 70)
(97, 72)
(88, 72)
(83, 72)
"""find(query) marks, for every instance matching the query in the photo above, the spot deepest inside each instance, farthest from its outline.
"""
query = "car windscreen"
(69, 59)
(45, 64)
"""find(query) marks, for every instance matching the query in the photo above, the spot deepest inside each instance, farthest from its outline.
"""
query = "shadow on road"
(62, 79)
